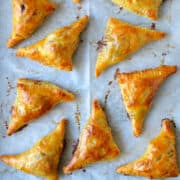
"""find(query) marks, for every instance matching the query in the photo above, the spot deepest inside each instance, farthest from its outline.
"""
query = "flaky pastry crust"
(28, 15)
(138, 90)
(57, 48)
(121, 39)
(159, 160)
(95, 144)
(43, 158)
(147, 8)
(35, 98)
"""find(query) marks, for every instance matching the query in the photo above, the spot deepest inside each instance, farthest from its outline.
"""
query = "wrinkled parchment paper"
(83, 83)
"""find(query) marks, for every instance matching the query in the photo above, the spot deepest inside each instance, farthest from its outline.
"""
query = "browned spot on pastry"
(172, 122)
(22, 8)
(20, 129)
(37, 82)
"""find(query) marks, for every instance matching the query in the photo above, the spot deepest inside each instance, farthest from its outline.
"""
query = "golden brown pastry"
(35, 98)
(43, 158)
(56, 49)
(96, 142)
(120, 40)
(159, 160)
(147, 8)
(138, 90)
(76, 1)
(28, 15)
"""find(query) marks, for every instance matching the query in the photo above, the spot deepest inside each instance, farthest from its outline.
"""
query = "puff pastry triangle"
(159, 160)
(27, 16)
(35, 98)
(145, 8)
(43, 158)
(120, 40)
(96, 142)
(56, 49)
(138, 90)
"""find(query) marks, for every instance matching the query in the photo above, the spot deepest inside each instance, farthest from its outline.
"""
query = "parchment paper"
(83, 83)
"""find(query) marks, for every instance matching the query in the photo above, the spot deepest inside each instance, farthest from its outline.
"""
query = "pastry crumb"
(116, 73)
(153, 26)
(100, 44)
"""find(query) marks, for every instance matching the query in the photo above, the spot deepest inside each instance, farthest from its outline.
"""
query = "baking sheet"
(83, 83)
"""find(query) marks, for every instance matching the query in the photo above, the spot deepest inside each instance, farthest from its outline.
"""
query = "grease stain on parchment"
(78, 116)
